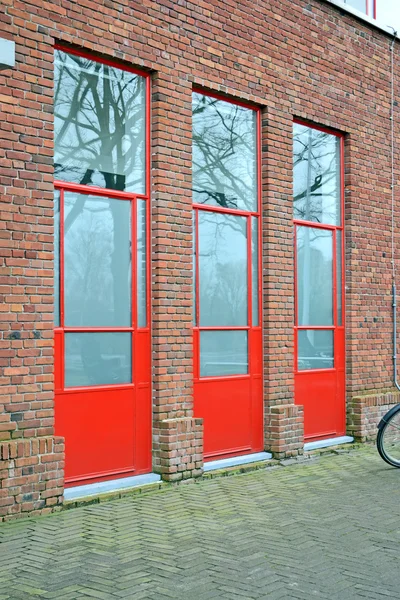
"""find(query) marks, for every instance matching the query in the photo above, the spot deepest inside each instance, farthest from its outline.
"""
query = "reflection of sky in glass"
(316, 175)
(358, 4)
(224, 154)
(98, 358)
(314, 277)
(97, 261)
(387, 11)
(223, 269)
(99, 123)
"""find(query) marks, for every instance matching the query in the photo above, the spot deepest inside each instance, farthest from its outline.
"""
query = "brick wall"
(294, 58)
(365, 412)
(31, 476)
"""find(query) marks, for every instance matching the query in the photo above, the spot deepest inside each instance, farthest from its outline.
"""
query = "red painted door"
(227, 331)
(319, 290)
(102, 336)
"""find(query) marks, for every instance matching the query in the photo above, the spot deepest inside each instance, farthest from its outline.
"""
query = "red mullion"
(342, 224)
(316, 327)
(197, 269)
(103, 61)
(96, 191)
(259, 224)
(296, 316)
(98, 329)
(61, 252)
(230, 211)
(223, 328)
(148, 133)
(249, 293)
(205, 92)
(98, 388)
(62, 306)
(315, 225)
(334, 276)
(196, 336)
(133, 283)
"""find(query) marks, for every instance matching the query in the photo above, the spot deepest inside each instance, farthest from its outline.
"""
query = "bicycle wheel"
(388, 439)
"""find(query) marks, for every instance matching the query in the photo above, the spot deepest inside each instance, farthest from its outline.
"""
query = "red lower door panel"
(99, 431)
(323, 401)
(226, 407)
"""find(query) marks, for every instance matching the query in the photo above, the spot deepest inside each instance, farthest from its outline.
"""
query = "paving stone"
(325, 529)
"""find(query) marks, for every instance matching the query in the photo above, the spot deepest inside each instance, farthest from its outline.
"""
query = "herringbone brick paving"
(328, 528)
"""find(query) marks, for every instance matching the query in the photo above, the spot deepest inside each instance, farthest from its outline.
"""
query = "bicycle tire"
(388, 438)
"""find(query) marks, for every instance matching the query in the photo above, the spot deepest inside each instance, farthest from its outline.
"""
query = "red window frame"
(239, 213)
(65, 186)
(333, 228)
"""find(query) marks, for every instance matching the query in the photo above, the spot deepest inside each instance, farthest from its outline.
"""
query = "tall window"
(318, 219)
(101, 198)
(226, 218)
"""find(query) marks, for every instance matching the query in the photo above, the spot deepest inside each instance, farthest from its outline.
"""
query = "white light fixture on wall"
(7, 54)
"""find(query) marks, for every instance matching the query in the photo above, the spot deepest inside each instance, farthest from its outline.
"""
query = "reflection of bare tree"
(316, 176)
(97, 263)
(314, 273)
(99, 140)
(99, 124)
(223, 269)
(224, 154)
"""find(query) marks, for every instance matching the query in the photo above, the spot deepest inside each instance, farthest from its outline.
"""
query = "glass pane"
(224, 154)
(339, 276)
(223, 269)
(315, 349)
(223, 353)
(360, 5)
(57, 258)
(99, 124)
(97, 261)
(97, 358)
(314, 276)
(316, 176)
(255, 284)
(141, 263)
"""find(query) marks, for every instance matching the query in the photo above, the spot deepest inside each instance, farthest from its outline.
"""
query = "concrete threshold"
(337, 441)
(107, 487)
(235, 461)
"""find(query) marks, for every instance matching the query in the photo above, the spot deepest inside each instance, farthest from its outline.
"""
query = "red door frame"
(140, 386)
(255, 371)
(339, 330)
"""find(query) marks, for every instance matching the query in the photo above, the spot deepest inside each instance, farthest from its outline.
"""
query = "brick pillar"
(31, 458)
(177, 436)
(31, 476)
(283, 419)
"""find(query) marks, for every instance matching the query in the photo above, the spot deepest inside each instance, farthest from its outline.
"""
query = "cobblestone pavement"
(328, 528)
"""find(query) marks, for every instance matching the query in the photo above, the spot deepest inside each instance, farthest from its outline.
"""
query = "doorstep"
(107, 487)
(235, 461)
(337, 441)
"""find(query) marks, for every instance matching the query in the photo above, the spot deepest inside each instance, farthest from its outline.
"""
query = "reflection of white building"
(385, 13)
